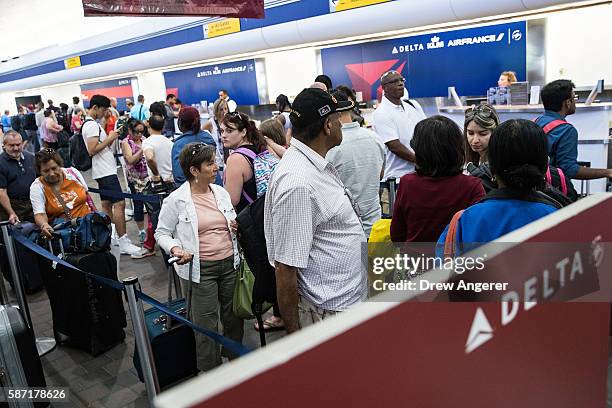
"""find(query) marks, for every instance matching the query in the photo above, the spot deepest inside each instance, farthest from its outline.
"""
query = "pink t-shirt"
(213, 231)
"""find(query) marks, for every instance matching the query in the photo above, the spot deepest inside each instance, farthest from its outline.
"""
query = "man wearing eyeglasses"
(16, 175)
(394, 122)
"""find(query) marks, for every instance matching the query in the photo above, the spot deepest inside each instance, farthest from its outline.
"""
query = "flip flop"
(270, 325)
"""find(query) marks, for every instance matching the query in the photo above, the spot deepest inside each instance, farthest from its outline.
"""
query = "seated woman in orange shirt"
(58, 192)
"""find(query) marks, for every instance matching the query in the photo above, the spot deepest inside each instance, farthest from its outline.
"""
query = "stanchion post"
(143, 346)
(44, 345)
(392, 183)
(17, 283)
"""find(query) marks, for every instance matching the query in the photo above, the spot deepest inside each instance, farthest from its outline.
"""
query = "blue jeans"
(138, 206)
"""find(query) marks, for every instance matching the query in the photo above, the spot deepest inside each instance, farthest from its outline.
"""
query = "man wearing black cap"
(313, 233)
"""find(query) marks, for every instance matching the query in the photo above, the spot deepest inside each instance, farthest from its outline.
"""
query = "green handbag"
(243, 292)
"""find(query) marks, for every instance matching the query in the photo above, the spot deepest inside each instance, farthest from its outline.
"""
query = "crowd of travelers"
(322, 172)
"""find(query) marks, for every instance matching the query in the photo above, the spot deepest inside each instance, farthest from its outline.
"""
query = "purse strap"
(451, 236)
(59, 198)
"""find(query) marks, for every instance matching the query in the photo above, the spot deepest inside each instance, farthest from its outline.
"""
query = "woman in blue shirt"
(518, 159)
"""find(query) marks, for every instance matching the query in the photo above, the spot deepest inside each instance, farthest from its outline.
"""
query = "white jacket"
(178, 226)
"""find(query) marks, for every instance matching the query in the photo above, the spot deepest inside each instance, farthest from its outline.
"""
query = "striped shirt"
(311, 223)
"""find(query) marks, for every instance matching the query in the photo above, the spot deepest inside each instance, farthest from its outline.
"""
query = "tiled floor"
(110, 379)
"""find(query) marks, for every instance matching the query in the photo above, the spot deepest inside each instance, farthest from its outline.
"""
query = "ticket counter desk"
(592, 123)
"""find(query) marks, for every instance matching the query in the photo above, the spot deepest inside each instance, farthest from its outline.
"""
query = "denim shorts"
(110, 183)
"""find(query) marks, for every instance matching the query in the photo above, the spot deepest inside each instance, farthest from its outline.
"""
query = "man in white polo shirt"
(394, 122)
(104, 169)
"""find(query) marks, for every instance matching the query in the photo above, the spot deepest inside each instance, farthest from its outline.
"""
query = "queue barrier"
(136, 312)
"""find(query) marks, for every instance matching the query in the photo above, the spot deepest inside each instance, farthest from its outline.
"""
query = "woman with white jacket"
(197, 222)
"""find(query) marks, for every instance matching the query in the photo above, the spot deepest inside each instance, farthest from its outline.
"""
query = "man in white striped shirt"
(314, 236)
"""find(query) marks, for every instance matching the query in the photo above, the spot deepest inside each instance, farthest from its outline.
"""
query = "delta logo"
(365, 77)
(569, 272)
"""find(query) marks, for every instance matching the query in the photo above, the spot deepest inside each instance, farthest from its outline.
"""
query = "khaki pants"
(209, 299)
(310, 314)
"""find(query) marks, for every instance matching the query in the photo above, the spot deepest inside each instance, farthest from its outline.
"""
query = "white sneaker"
(126, 247)
(142, 253)
(114, 242)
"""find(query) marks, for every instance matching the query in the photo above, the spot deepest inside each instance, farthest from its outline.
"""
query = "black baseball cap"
(313, 104)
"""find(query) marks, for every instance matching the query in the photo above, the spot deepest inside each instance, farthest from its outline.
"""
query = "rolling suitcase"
(173, 344)
(28, 266)
(86, 314)
(20, 365)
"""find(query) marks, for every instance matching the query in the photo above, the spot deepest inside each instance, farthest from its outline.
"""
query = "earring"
(196, 180)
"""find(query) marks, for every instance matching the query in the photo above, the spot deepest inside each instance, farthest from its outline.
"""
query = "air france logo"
(476, 40)
(435, 43)
(517, 35)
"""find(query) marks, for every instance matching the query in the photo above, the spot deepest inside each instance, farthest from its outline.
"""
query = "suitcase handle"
(168, 321)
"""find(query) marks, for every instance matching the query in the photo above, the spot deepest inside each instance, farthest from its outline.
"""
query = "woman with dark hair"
(356, 112)
(284, 107)
(136, 173)
(480, 120)
(189, 125)
(518, 154)
(197, 223)
(426, 200)
(58, 192)
(240, 134)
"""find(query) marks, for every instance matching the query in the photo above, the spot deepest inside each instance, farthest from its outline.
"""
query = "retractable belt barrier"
(230, 344)
(115, 194)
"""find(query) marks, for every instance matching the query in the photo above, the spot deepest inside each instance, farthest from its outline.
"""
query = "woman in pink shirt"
(198, 223)
(49, 130)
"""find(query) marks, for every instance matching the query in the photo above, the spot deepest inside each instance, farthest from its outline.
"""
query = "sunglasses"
(197, 148)
(483, 110)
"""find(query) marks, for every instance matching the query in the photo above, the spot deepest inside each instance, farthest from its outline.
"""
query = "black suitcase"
(27, 262)
(173, 344)
(86, 314)
(19, 360)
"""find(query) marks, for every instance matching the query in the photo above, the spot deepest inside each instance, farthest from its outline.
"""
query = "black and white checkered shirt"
(311, 224)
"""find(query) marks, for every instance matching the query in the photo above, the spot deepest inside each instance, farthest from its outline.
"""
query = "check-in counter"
(592, 123)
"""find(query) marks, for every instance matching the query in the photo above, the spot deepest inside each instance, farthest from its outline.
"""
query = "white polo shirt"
(393, 122)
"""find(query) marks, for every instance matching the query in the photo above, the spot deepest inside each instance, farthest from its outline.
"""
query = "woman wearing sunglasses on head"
(197, 223)
(58, 192)
(240, 134)
(480, 122)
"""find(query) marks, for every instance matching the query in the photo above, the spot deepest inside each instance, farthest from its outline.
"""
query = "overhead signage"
(232, 8)
(73, 62)
(194, 85)
(341, 5)
(223, 27)
(468, 59)
(116, 88)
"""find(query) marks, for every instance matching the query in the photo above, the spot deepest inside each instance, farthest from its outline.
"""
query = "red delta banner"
(460, 354)
(226, 8)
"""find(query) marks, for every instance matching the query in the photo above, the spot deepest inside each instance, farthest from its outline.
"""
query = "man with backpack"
(104, 169)
(313, 233)
(559, 100)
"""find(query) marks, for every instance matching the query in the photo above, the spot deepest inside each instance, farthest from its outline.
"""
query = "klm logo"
(435, 43)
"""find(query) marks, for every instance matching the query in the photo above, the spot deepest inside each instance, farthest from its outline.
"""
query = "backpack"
(122, 127)
(264, 164)
(29, 122)
(79, 155)
(91, 233)
(252, 240)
